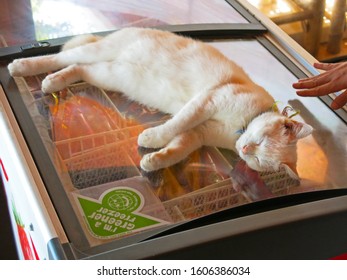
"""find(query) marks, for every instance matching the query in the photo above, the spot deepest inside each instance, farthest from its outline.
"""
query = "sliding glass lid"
(55, 19)
(90, 135)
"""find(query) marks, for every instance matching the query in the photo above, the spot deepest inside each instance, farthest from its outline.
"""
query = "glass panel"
(322, 158)
(91, 136)
(54, 19)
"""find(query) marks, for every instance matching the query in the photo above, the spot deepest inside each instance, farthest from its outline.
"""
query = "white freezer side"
(34, 221)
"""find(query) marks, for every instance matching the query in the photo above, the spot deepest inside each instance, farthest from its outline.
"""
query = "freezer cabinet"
(70, 167)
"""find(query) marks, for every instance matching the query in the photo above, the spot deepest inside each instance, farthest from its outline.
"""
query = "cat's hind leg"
(176, 150)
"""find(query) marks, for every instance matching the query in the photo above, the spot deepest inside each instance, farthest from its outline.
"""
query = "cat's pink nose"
(248, 149)
(245, 149)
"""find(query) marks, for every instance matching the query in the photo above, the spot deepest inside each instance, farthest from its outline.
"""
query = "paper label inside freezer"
(116, 212)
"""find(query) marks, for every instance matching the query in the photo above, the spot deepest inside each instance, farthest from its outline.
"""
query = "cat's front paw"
(18, 68)
(150, 162)
(153, 138)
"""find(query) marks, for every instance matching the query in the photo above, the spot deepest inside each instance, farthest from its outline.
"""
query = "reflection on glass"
(277, 8)
(274, 8)
(55, 19)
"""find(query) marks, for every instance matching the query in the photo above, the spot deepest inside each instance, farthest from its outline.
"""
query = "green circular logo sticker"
(123, 200)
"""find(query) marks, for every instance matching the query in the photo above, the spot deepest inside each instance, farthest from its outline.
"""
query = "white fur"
(209, 96)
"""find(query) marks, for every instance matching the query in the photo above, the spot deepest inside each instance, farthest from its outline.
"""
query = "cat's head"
(269, 142)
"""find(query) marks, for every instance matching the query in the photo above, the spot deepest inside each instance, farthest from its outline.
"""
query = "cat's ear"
(290, 169)
(297, 130)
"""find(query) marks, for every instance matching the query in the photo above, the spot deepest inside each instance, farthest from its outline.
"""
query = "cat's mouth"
(254, 161)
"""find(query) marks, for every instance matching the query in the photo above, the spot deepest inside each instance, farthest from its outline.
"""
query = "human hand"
(333, 80)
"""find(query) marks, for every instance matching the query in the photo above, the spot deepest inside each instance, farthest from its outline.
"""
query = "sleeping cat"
(212, 100)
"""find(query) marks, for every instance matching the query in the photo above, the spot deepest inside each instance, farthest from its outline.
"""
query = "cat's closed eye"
(260, 141)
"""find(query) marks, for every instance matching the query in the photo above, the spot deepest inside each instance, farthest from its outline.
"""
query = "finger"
(339, 101)
(316, 91)
(302, 80)
(301, 83)
(325, 66)
(312, 82)
(321, 66)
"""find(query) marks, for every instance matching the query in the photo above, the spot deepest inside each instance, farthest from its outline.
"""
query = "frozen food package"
(82, 113)
(90, 136)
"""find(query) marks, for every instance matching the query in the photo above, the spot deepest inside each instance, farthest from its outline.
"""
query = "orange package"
(81, 124)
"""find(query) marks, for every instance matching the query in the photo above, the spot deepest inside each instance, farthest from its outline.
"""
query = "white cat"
(210, 97)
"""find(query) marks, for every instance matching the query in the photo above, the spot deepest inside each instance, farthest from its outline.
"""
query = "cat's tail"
(80, 40)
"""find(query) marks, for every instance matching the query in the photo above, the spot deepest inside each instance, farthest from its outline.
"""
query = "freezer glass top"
(54, 19)
(91, 134)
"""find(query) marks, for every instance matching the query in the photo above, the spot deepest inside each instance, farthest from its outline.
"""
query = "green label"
(116, 213)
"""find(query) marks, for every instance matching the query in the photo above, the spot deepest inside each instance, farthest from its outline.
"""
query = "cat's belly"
(166, 100)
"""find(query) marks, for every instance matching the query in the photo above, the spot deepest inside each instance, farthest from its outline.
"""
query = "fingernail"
(334, 105)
